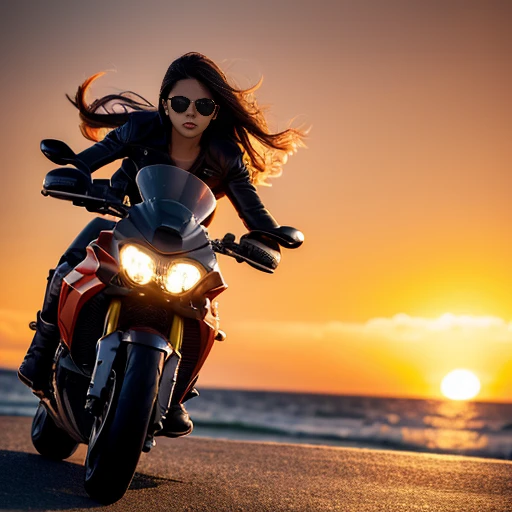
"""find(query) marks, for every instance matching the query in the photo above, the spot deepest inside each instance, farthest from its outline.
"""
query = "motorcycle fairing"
(194, 303)
(86, 280)
(202, 346)
(166, 182)
(175, 203)
(177, 229)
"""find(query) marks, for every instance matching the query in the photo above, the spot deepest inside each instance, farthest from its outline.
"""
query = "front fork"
(106, 352)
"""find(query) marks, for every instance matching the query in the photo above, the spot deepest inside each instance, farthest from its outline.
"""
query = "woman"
(206, 127)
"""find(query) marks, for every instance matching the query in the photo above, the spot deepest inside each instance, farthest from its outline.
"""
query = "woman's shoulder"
(227, 158)
(143, 125)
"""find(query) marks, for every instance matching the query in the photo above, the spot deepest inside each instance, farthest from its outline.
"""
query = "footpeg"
(220, 336)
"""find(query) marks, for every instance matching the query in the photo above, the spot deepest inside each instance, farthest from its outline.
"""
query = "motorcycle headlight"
(181, 277)
(138, 265)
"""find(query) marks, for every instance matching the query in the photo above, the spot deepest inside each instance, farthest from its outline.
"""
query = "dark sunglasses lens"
(205, 106)
(179, 104)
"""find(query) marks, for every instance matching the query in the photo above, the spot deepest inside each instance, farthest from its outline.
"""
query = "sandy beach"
(200, 474)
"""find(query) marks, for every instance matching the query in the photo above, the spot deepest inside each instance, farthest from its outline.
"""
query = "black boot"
(177, 422)
(36, 367)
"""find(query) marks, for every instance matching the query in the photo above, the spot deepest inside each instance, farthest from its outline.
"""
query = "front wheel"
(119, 432)
(48, 439)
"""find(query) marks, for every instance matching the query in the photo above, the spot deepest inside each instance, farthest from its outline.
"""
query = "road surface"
(200, 474)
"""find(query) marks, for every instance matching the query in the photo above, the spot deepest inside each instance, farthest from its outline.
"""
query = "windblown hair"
(239, 120)
(105, 114)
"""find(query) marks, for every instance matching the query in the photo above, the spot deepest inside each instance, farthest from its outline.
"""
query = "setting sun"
(460, 385)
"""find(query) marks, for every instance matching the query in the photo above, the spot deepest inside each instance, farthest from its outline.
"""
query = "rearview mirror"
(58, 152)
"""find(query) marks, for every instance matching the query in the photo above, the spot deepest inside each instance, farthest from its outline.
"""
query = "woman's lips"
(189, 126)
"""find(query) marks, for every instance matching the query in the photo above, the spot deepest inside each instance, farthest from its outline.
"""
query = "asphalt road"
(199, 474)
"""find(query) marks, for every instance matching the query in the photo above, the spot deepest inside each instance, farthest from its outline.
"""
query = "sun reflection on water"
(451, 426)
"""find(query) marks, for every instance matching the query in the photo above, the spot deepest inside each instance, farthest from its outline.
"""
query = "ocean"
(463, 428)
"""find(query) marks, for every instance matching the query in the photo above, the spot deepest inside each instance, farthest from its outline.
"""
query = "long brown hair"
(240, 119)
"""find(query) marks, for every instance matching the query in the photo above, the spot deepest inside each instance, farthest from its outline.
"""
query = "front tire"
(48, 439)
(119, 432)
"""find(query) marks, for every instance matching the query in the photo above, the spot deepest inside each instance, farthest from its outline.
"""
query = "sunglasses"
(180, 104)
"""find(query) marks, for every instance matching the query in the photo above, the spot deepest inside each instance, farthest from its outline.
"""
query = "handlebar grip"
(262, 256)
(260, 253)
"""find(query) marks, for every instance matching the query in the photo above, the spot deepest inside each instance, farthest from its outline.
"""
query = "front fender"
(169, 374)
(106, 352)
(149, 339)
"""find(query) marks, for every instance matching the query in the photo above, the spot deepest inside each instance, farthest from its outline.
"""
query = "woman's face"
(190, 123)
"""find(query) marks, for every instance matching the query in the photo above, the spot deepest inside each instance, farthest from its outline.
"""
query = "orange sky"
(403, 194)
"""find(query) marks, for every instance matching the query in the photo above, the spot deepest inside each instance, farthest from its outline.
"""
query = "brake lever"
(221, 246)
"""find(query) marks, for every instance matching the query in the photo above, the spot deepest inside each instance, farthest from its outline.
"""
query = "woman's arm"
(244, 197)
(112, 147)
(239, 189)
(256, 218)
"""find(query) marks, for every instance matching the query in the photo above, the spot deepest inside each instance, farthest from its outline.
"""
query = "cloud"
(445, 322)
(400, 327)
(447, 326)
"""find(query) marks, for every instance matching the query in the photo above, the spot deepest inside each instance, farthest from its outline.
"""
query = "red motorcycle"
(145, 293)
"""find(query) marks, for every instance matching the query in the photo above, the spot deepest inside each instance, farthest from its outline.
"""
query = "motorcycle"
(144, 294)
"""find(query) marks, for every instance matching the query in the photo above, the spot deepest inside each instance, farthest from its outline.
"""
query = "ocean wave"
(476, 429)
(376, 436)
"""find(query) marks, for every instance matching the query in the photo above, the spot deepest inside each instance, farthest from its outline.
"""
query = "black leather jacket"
(143, 141)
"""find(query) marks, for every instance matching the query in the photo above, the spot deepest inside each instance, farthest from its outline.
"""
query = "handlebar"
(254, 255)
(99, 198)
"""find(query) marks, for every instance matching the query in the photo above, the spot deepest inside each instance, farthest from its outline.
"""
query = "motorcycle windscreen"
(157, 182)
